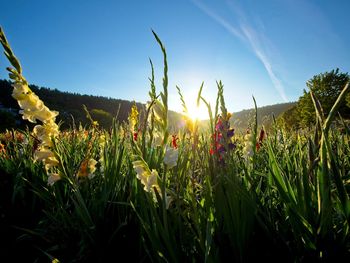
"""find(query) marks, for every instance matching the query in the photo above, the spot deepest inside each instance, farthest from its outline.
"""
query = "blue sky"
(268, 49)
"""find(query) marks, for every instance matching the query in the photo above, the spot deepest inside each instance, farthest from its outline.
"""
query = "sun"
(197, 113)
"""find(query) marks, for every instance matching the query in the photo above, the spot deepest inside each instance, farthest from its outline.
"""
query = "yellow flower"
(28, 115)
(41, 134)
(121, 132)
(31, 102)
(133, 117)
(87, 168)
(45, 132)
(51, 162)
(32, 109)
(45, 114)
(102, 140)
(42, 154)
(20, 91)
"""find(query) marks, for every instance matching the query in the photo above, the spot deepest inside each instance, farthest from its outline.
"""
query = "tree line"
(291, 116)
(69, 106)
(326, 87)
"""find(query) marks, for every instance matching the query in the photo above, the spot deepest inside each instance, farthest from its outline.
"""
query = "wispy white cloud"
(261, 55)
(233, 30)
(257, 41)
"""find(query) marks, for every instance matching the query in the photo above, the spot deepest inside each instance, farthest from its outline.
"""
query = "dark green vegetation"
(326, 87)
(70, 105)
(266, 114)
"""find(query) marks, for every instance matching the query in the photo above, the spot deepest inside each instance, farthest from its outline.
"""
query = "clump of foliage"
(326, 87)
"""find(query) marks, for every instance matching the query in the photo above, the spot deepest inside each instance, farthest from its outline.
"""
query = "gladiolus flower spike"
(222, 126)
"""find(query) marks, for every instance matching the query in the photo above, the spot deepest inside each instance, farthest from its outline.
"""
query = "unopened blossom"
(159, 111)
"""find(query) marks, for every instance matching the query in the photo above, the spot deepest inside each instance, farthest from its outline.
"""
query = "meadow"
(140, 192)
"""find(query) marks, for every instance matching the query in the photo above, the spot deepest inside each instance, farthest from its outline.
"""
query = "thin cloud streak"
(250, 37)
(219, 19)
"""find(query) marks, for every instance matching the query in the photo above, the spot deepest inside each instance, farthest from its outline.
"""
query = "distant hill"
(70, 106)
(241, 120)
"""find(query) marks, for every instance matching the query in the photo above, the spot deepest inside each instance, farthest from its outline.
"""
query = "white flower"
(54, 177)
(248, 150)
(31, 102)
(46, 114)
(148, 179)
(151, 181)
(43, 154)
(171, 156)
(157, 139)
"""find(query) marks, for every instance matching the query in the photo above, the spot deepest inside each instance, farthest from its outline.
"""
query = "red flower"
(135, 135)
(261, 138)
(262, 135)
(211, 151)
(174, 141)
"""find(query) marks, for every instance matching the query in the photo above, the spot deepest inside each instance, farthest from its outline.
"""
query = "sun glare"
(197, 113)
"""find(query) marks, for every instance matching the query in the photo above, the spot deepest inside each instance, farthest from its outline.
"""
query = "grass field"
(140, 193)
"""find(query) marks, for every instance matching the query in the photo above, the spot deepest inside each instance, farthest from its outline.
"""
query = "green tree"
(8, 120)
(289, 119)
(348, 100)
(326, 87)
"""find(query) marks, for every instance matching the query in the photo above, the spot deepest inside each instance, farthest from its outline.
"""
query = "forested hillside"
(242, 119)
(69, 105)
(102, 109)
